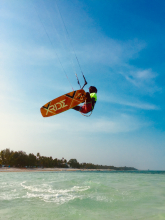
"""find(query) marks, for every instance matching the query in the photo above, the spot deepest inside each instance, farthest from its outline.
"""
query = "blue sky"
(120, 46)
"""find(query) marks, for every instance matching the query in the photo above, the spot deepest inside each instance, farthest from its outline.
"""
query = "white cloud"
(135, 104)
(116, 55)
(110, 52)
(19, 126)
(27, 54)
(145, 74)
(142, 79)
(140, 105)
(122, 123)
(139, 77)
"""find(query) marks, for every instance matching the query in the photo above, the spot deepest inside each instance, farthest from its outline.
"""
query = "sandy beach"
(11, 169)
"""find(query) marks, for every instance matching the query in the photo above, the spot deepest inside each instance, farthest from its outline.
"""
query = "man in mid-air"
(89, 102)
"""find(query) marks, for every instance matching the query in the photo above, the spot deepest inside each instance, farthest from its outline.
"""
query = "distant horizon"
(10, 154)
(85, 162)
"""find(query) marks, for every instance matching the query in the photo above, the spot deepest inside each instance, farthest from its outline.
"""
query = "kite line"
(68, 37)
(54, 49)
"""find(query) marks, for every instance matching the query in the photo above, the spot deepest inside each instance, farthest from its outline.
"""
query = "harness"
(93, 104)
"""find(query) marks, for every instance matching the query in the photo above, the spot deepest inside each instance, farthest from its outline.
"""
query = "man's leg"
(77, 108)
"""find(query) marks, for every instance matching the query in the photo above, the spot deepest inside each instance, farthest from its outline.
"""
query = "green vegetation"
(21, 159)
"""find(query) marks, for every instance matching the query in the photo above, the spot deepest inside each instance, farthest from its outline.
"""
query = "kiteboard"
(63, 103)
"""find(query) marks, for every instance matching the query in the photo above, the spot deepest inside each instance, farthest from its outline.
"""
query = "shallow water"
(82, 195)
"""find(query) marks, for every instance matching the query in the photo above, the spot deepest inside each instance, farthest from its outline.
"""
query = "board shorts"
(86, 108)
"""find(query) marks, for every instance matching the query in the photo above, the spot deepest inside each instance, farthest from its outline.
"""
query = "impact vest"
(93, 95)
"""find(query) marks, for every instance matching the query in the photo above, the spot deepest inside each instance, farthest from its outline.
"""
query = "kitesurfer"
(91, 98)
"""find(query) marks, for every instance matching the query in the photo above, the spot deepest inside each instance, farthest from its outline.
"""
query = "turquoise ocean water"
(82, 195)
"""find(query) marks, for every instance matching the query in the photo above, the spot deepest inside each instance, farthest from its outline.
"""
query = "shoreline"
(11, 169)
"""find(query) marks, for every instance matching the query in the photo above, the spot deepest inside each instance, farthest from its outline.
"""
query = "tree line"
(21, 159)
